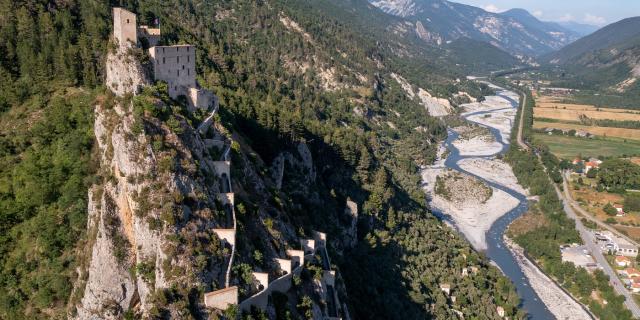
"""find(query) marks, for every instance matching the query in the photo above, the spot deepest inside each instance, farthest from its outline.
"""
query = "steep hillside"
(515, 31)
(111, 202)
(478, 56)
(617, 35)
(607, 61)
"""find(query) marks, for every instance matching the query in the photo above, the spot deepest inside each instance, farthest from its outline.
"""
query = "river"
(497, 250)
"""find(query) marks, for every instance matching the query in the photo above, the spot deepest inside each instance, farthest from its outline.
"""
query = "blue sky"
(595, 12)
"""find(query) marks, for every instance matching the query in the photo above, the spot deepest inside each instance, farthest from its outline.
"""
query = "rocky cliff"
(152, 217)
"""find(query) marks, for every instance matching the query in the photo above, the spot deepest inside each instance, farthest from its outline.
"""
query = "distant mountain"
(515, 31)
(579, 28)
(606, 60)
(612, 36)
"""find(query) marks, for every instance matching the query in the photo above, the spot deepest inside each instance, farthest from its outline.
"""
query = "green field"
(568, 147)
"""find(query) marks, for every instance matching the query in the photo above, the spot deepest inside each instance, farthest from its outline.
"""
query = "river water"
(497, 251)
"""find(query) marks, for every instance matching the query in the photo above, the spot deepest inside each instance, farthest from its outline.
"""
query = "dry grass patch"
(550, 107)
(623, 133)
(529, 221)
(574, 115)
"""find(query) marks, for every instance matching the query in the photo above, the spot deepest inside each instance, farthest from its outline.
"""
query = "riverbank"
(557, 301)
(474, 154)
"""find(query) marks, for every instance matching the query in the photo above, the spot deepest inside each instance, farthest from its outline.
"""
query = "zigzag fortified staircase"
(175, 65)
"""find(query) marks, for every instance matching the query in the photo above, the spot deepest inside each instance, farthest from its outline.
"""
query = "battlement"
(221, 299)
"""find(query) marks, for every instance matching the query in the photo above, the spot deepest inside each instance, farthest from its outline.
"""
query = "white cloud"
(492, 8)
(593, 19)
(567, 17)
(538, 13)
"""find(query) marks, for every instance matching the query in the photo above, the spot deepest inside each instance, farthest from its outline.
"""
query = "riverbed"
(484, 225)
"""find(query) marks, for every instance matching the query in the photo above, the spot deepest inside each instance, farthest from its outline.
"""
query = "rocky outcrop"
(151, 210)
(351, 234)
(428, 37)
(125, 73)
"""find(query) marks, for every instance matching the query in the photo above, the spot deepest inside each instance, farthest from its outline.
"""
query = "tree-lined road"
(587, 237)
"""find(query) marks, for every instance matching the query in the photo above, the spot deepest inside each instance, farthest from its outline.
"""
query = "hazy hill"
(515, 31)
(608, 60)
(614, 36)
(579, 28)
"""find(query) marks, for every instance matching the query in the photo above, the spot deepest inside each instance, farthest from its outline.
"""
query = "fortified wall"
(175, 65)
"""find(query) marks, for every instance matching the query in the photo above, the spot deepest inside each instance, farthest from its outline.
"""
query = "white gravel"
(477, 146)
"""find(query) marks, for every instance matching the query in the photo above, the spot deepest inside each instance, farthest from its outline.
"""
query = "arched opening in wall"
(127, 21)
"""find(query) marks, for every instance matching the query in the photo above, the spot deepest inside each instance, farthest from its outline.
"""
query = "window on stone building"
(178, 59)
(188, 72)
(188, 58)
(178, 73)
(164, 60)
(183, 67)
(127, 20)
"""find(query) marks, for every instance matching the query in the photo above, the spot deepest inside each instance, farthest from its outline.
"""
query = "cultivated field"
(567, 116)
(598, 131)
(574, 114)
(549, 107)
(566, 147)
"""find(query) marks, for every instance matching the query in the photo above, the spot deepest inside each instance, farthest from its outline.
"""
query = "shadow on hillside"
(372, 271)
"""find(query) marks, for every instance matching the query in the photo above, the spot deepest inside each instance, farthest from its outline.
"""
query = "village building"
(631, 272)
(590, 165)
(619, 210)
(616, 244)
(622, 261)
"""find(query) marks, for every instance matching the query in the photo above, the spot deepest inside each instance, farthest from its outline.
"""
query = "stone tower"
(125, 29)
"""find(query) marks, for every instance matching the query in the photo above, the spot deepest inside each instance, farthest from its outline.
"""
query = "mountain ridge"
(516, 31)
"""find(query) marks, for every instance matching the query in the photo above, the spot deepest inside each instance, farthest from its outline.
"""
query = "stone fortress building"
(175, 65)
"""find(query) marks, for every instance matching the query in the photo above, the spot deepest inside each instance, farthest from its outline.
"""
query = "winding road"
(587, 237)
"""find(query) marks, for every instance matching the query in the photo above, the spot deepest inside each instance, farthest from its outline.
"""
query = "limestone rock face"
(136, 212)
(125, 74)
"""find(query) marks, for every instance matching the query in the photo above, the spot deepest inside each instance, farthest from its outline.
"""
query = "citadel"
(174, 64)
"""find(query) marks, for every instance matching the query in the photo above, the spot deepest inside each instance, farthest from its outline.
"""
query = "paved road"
(590, 242)
(519, 136)
(587, 237)
(576, 206)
